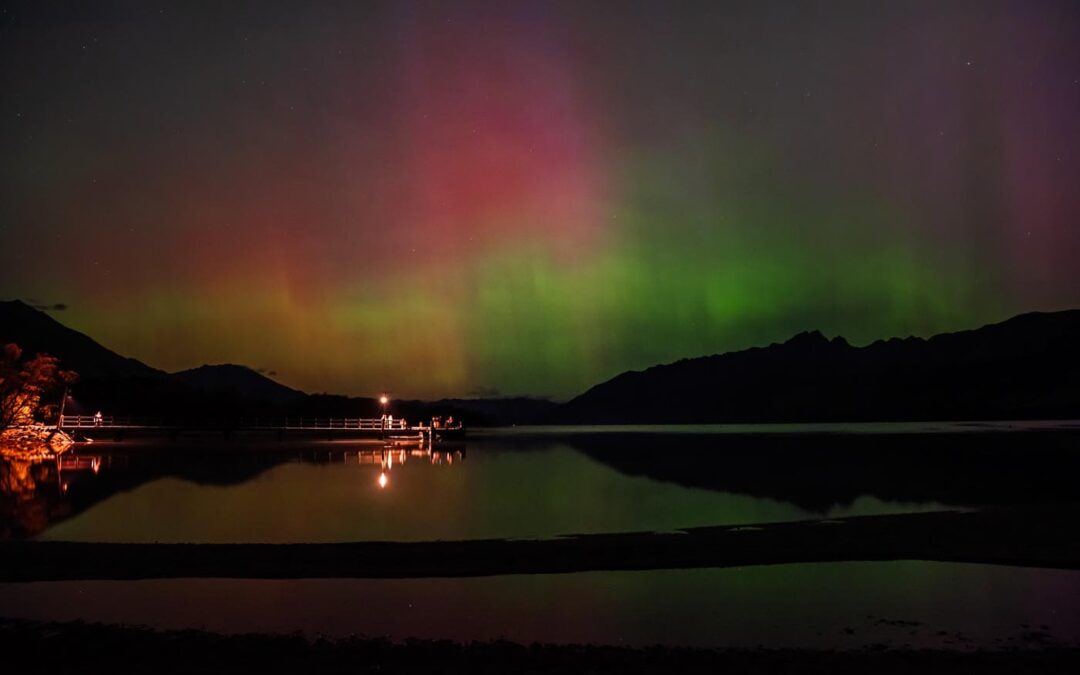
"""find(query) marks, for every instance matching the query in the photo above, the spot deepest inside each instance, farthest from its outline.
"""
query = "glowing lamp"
(383, 480)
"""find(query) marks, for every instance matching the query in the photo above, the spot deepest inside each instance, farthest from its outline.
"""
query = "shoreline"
(78, 647)
(1041, 536)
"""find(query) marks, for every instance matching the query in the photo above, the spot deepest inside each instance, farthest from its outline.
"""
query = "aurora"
(463, 199)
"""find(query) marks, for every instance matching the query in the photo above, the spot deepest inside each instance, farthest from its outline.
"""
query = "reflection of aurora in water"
(823, 605)
(41, 489)
(331, 492)
(406, 494)
(527, 485)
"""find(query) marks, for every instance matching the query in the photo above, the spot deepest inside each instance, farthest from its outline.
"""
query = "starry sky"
(467, 199)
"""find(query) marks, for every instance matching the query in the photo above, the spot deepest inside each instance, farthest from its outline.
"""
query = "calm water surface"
(513, 485)
(521, 483)
(833, 605)
(547, 482)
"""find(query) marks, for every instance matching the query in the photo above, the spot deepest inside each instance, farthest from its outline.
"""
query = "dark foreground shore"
(1031, 537)
(90, 648)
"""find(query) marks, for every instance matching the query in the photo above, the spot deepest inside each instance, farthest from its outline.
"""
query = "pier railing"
(283, 424)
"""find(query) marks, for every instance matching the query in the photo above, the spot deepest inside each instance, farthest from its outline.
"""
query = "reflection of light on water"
(397, 454)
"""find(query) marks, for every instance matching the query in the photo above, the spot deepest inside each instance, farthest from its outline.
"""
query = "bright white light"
(384, 399)
(383, 480)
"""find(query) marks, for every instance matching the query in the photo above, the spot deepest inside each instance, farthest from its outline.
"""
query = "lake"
(826, 606)
(539, 483)
(520, 483)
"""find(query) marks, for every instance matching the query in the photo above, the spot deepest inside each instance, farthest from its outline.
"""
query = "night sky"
(527, 198)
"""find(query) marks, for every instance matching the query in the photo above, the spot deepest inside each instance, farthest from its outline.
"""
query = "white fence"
(314, 423)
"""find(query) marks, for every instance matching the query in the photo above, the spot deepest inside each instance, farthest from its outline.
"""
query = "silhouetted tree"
(27, 384)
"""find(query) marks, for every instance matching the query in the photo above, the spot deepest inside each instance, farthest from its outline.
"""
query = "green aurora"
(505, 198)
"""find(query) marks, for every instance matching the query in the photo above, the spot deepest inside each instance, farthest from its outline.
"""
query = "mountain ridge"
(245, 380)
(113, 382)
(1023, 367)
(998, 370)
(36, 331)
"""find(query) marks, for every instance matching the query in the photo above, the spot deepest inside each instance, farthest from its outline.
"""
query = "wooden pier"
(330, 427)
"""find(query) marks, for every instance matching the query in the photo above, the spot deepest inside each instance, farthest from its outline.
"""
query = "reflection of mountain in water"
(35, 495)
(813, 471)
(57, 489)
(817, 470)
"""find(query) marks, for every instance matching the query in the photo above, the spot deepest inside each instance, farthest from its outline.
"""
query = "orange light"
(384, 399)
(383, 480)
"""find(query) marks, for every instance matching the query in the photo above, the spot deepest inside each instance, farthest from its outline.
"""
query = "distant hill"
(242, 380)
(125, 386)
(486, 411)
(1025, 367)
(36, 331)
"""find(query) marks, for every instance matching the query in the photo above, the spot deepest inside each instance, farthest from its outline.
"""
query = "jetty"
(387, 427)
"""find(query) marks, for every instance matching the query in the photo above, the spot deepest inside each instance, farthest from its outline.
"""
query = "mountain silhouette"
(240, 379)
(503, 411)
(37, 332)
(127, 387)
(1027, 367)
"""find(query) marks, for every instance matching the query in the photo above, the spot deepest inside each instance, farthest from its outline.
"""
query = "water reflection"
(45, 490)
(33, 491)
(515, 485)
(823, 606)
(818, 471)
(391, 453)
